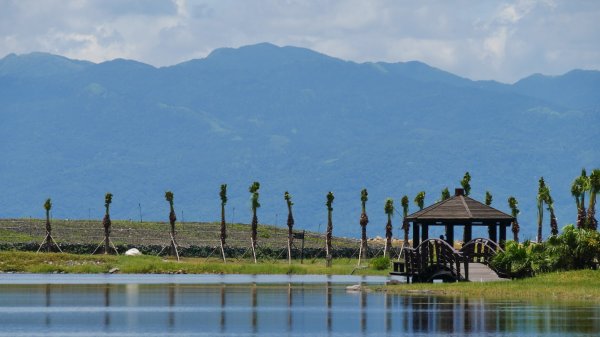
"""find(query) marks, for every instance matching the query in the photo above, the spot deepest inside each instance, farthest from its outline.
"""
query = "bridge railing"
(482, 250)
(434, 256)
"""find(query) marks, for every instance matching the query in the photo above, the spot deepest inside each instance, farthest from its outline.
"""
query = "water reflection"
(229, 310)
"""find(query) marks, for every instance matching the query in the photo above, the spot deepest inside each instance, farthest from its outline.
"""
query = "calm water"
(215, 305)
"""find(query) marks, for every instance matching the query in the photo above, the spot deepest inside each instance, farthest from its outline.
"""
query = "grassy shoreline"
(28, 262)
(576, 286)
(573, 286)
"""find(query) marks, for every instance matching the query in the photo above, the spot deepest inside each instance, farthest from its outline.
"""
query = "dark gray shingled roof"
(459, 207)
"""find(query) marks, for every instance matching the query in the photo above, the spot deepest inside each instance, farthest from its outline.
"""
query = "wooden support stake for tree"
(253, 248)
(49, 240)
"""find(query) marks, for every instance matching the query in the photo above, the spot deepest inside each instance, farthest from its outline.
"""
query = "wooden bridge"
(435, 259)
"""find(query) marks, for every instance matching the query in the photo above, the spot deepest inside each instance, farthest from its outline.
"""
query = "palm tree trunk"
(540, 219)
(172, 219)
(223, 226)
(592, 223)
(106, 223)
(553, 223)
(591, 218)
(515, 230)
(388, 236)
(48, 230)
(290, 224)
(328, 236)
(406, 228)
(364, 220)
(254, 229)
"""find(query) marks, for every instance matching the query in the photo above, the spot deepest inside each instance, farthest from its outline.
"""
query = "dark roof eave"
(413, 219)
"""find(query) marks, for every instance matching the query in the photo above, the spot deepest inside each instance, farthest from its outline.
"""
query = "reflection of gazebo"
(459, 210)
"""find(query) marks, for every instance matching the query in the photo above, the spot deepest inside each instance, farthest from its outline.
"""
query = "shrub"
(574, 248)
(380, 263)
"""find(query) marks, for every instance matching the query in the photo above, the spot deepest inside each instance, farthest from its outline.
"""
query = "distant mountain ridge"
(291, 118)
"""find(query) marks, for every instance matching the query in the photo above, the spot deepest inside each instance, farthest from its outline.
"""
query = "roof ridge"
(462, 198)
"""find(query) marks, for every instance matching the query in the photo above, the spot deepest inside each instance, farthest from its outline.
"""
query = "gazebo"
(459, 210)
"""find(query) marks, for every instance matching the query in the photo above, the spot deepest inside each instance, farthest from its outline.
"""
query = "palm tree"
(255, 205)
(172, 218)
(389, 211)
(578, 189)
(405, 223)
(48, 207)
(594, 188)
(513, 204)
(488, 198)
(585, 183)
(329, 232)
(445, 194)
(420, 200)
(290, 224)
(106, 222)
(223, 195)
(466, 183)
(541, 196)
(48, 240)
(364, 220)
(550, 203)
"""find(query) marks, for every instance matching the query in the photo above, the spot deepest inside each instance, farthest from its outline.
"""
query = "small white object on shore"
(133, 252)
(355, 287)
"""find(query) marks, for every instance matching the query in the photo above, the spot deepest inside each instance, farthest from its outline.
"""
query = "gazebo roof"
(459, 208)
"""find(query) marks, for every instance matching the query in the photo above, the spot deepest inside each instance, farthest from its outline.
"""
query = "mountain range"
(293, 119)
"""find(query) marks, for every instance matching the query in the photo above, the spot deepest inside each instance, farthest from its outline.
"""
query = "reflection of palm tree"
(389, 211)
(594, 188)
(513, 204)
(364, 220)
(329, 233)
(255, 205)
(405, 224)
(290, 224)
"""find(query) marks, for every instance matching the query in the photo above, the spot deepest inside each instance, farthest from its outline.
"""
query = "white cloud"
(477, 39)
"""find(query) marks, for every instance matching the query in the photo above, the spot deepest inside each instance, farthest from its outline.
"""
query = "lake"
(246, 305)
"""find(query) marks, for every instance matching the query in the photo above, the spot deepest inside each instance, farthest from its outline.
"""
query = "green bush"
(574, 248)
(380, 263)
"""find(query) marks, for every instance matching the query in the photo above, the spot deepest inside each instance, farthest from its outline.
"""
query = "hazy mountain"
(292, 119)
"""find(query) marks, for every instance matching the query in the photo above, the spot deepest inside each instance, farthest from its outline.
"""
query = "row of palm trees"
(581, 186)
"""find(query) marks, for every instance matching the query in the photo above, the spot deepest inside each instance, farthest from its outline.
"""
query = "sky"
(480, 40)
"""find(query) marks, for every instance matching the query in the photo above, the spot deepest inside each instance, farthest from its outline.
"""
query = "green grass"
(581, 285)
(28, 262)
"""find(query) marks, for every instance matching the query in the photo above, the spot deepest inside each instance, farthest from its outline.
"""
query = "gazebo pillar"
(450, 235)
(468, 233)
(424, 232)
(493, 233)
(416, 236)
(502, 234)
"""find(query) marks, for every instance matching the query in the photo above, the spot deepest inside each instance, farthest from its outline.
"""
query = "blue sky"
(501, 40)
